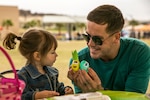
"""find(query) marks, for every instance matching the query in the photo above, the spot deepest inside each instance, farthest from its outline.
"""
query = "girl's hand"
(68, 90)
(45, 94)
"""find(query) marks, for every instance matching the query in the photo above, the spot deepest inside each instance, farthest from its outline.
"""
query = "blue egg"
(84, 65)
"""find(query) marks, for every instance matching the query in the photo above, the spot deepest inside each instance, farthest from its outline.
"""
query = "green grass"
(64, 52)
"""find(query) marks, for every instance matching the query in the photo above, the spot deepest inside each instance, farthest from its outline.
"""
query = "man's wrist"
(99, 87)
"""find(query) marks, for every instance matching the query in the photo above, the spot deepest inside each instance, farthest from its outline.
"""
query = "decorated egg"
(84, 65)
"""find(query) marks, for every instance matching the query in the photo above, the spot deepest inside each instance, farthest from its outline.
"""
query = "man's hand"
(87, 82)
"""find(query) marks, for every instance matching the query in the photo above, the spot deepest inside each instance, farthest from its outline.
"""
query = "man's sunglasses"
(96, 39)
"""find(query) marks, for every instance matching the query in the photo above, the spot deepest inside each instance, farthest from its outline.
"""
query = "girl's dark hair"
(32, 40)
(107, 14)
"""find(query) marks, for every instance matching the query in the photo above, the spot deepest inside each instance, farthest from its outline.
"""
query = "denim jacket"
(36, 81)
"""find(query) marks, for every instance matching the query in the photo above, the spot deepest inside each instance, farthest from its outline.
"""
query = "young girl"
(38, 47)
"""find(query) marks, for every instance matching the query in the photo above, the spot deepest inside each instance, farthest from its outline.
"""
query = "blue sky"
(131, 9)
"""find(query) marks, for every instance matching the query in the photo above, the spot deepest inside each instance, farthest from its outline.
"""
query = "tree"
(133, 23)
(81, 27)
(7, 23)
(31, 23)
(59, 26)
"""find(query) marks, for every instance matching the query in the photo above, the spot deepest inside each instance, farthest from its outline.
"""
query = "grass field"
(64, 54)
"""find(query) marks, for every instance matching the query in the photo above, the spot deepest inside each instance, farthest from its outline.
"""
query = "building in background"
(9, 13)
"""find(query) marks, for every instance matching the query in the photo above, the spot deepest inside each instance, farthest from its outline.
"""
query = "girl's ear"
(36, 56)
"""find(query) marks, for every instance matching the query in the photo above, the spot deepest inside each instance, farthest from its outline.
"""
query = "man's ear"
(36, 56)
(117, 36)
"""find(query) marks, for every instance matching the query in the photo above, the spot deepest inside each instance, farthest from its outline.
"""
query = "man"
(116, 63)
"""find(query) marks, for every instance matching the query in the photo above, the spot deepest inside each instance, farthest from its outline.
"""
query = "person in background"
(39, 48)
(116, 63)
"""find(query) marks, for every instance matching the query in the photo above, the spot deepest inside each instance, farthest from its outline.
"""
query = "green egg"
(84, 65)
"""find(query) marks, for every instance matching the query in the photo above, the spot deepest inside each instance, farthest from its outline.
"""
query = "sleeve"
(28, 93)
(138, 78)
(76, 89)
(59, 85)
(61, 88)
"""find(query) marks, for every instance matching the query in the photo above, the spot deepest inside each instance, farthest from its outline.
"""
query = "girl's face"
(50, 58)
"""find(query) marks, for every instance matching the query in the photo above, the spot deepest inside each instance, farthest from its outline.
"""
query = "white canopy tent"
(69, 20)
(63, 19)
